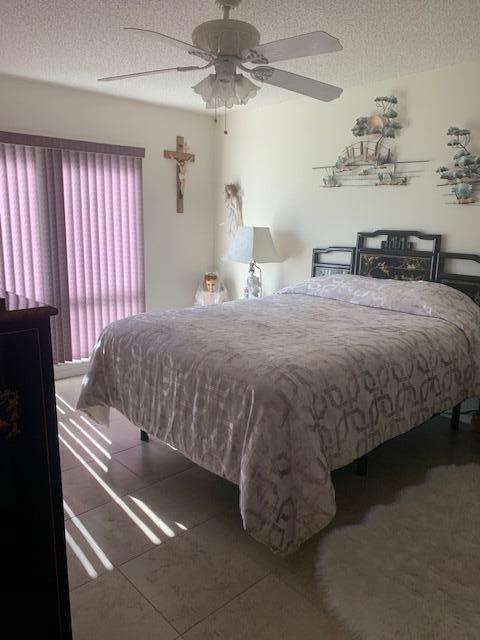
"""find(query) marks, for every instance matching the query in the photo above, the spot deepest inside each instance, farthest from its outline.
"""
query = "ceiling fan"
(229, 45)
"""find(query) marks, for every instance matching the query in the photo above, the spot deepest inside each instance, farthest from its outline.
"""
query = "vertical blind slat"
(16, 208)
(92, 243)
(102, 278)
(68, 189)
(53, 247)
(4, 244)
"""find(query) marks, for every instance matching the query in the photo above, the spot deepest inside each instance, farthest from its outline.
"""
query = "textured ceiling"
(73, 43)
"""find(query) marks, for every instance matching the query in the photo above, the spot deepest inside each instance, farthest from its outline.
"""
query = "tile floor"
(156, 549)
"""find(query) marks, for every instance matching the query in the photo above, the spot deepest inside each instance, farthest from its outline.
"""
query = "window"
(71, 233)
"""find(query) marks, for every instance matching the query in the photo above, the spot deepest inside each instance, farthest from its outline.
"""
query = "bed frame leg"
(362, 465)
(144, 436)
(455, 419)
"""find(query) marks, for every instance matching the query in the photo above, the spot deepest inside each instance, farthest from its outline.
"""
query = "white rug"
(411, 569)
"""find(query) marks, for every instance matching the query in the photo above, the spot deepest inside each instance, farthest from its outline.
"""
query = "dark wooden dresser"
(35, 599)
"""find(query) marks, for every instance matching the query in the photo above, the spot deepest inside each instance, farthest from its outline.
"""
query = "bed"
(275, 393)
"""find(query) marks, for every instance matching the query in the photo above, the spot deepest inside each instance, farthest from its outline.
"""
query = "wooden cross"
(181, 158)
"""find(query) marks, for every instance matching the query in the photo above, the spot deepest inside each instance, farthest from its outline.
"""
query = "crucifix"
(181, 158)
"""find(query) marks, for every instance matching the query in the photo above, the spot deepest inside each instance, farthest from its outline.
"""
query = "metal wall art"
(465, 175)
(370, 162)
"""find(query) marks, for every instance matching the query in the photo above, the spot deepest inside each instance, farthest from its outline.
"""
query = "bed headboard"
(400, 255)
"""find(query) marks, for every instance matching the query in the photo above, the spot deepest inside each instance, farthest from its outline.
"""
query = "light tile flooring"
(156, 548)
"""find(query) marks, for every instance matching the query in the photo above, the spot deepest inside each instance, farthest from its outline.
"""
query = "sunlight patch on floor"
(84, 561)
(88, 537)
(153, 517)
(69, 406)
(97, 431)
(81, 444)
(91, 438)
(116, 498)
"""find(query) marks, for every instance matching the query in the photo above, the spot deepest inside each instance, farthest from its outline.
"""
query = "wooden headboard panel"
(469, 284)
(323, 265)
(398, 257)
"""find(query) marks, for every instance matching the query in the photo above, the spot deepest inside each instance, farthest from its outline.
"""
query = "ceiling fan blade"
(135, 75)
(308, 44)
(148, 73)
(185, 46)
(296, 83)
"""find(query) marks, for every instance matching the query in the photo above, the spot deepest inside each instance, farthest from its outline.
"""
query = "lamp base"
(253, 285)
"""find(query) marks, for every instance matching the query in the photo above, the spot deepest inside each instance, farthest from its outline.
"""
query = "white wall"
(270, 152)
(178, 247)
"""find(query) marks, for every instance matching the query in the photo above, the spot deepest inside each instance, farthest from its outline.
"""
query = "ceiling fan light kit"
(229, 45)
(217, 93)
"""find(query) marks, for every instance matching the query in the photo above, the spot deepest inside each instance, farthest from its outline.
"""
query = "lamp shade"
(252, 244)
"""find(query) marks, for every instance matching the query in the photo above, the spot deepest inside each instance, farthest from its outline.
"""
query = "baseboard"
(71, 369)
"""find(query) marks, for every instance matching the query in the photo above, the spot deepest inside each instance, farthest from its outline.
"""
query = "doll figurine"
(211, 290)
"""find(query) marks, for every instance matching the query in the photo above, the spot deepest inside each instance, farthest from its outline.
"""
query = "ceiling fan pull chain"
(225, 129)
(215, 118)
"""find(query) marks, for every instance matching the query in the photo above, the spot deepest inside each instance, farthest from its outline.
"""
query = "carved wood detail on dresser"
(34, 566)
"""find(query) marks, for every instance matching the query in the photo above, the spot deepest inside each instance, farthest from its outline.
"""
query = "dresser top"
(16, 307)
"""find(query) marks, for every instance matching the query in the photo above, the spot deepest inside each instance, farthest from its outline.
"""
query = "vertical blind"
(71, 235)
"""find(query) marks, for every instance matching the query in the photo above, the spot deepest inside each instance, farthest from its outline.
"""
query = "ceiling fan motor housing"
(225, 37)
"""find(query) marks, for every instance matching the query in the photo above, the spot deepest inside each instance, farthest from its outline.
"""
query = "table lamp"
(251, 245)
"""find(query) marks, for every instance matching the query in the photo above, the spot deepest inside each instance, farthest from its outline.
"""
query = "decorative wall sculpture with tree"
(466, 166)
(370, 162)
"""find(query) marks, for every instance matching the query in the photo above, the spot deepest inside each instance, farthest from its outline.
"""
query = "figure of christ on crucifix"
(182, 158)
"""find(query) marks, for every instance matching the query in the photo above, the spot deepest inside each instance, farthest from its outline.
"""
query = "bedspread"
(275, 393)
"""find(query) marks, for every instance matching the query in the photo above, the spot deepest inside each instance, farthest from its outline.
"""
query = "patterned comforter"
(275, 393)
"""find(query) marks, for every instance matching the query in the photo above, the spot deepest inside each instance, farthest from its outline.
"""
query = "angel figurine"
(234, 209)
